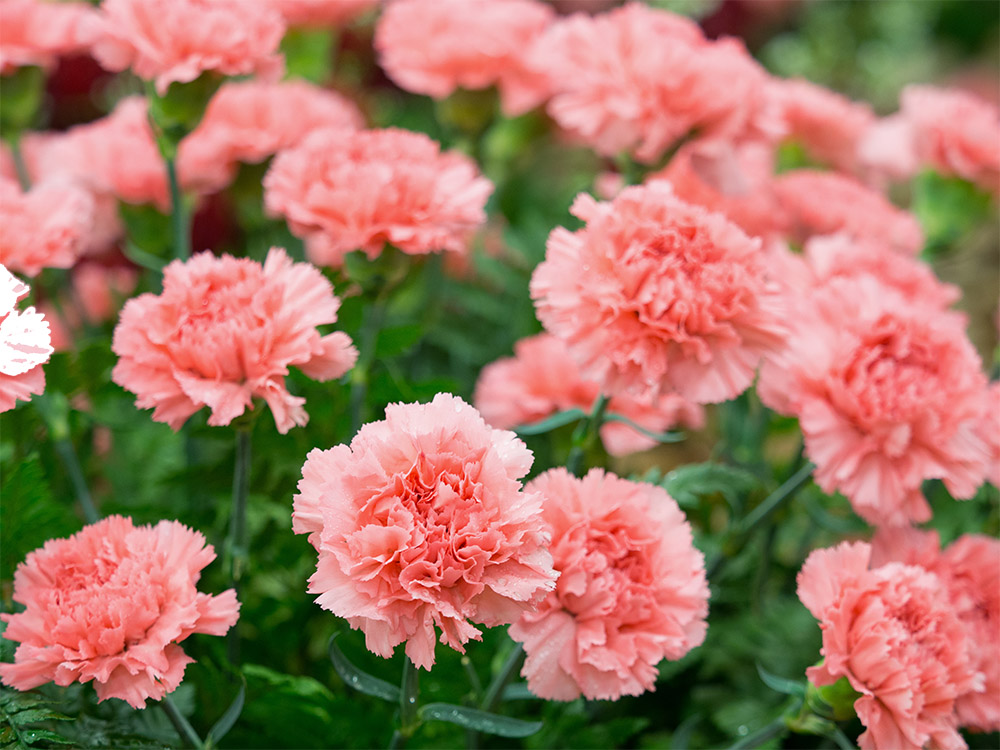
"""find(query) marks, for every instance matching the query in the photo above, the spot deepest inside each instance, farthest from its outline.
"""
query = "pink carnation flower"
(25, 345)
(38, 33)
(989, 431)
(893, 633)
(887, 393)
(542, 378)
(639, 79)
(828, 125)
(421, 521)
(178, 40)
(45, 227)
(955, 132)
(885, 151)
(248, 121)
(225, 330)
(656, 296)
(345, 191)
(826, 203)
(320, 13)
(111, 604)
(749, 201)
(970, 571)
(436, 46)
(631, 589)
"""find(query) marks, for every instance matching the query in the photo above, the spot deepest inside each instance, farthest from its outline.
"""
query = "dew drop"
(742, 730)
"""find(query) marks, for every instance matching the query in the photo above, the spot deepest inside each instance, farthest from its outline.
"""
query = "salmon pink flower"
(421, 521)
(112, 604)
(631, 589)
(45, 227)
(639, 79)
(225, 330)
(887, 393)
(38, 33)
(248, 121)
(320, 13)
(893, 633)
(25, 345)
(821, 203)
(989, 430)
(434, 47)
(657, 296)
(542, 378)
(178, 40)
(969, 568)
(344, 191)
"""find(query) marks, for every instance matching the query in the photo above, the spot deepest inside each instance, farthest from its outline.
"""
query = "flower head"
(631, 589)
(656, 296)
(542, 378)
(178, 40)
(436, 46)
(969, 568)
(421, 521)
(345, 191)
(248, 121)
(225, 330)
(45, 227)
(25, 345)
(37, 33)
(892, 632)
(640, 79)
(111, 604)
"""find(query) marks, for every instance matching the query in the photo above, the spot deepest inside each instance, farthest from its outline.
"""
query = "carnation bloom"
(885, 151)
(656, 296)
(37, 33)
(820, 203)
(320, 13)
(421, 521)
(436, 46)
(45, 227)
(542, 378)
(225, 330)
(25, 345)
(969, 568)
(954, 132)
(887, 393)
(829, 126)
(989, 431)
(639, 79)
(248, 121)
(749, 201)
(345, 191)
(178, 40)
(111, 604)
(631, 589)
(893, 633)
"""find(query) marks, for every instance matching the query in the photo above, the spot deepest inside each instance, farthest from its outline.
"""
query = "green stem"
(585, 434)
(238, 545)
(494, 693)
(182, 725)
(68, 456)
(374, 317)
(19, 166)
(791, 485)
(409, 686)
(178, 214)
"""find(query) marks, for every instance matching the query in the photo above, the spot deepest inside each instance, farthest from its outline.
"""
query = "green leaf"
(660, 437)
(688, 484)
(18, 712)
(360, 681)
(397, 340)
(781, 684)
(481, 721)
(221, 728)
(557, 420)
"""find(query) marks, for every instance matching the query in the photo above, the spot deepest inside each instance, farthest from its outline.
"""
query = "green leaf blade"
(480, 721)
(358, 680)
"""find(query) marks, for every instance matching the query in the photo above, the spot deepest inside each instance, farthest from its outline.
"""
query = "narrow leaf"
(31, 715)
(481, 721)
(557, 420)
(660, 437)
(518, 691)
(31, 736)
(360, 681)
(221, 728)
(781, 684)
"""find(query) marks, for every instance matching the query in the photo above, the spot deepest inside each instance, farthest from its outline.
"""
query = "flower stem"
(68, 456)
(20, 168)
(409, 687)
(178, 214)
(238, 545)
(182, 725)
(361, 374)
(510, 668)
(585, 434)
